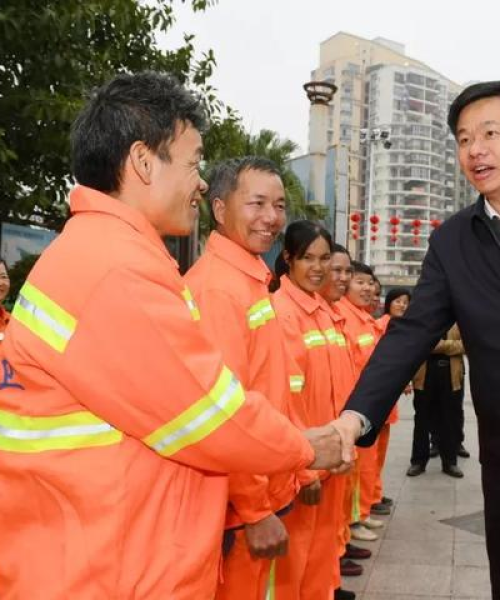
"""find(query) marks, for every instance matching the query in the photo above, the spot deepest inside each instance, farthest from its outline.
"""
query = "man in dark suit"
(460, 281)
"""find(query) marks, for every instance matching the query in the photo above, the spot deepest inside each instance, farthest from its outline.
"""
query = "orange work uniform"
(316, 346)
(363, 333)
(230, 286)
(347, 374)
(119, 422)
(382, 444)
(4, 321)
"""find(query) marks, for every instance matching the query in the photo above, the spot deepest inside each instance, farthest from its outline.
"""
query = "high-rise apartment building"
(416, 182)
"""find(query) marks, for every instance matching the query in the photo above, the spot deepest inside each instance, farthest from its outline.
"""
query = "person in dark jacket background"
(460, 282)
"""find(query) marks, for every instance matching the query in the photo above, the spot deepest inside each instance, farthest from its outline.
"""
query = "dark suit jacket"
(460, 281)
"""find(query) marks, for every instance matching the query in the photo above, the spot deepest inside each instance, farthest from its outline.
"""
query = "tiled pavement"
(418, 556)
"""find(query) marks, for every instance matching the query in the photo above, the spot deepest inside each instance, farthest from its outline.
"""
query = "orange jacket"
(118, 421)
(383, 323)
(230, 286)
(362, 331)
(4, 321)
(316, 346)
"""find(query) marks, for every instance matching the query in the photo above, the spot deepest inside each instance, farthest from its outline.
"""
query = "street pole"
(368, 212)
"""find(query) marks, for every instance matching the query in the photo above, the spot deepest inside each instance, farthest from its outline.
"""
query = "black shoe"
(414, 470)
(463, 452)
(380, 509)
(387, 501)
(357, 553)
(434, 451)
(341, 594)
(453, 471)
(348, 568)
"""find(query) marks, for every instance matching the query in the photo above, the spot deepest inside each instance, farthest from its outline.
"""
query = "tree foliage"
(51, 53)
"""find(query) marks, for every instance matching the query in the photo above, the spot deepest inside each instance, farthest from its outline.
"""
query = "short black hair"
(145, 107)
(299, 235)
(339, 249)
(394, 294)
(359, 267)
(2, 262)
(471, 93)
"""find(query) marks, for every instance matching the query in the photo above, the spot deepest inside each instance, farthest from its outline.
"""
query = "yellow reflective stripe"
(260, 313)
(296, 383)
(314, 338)
(366, 339)
(43, 317)
(191, 304)
(330, 335)
(200, 419)
(65, 432)
(271, 586)
(341, 341)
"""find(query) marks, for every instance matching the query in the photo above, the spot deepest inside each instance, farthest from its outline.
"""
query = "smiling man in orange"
(229, 283)
(119, 421)
(363, 333)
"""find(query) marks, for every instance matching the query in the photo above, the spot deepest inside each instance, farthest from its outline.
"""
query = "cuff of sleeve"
(366, 426)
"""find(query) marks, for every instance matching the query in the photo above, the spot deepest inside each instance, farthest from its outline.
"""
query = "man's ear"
(219, 210)
(140, 158)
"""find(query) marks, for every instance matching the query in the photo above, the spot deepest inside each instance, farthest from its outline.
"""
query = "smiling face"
(399, 305)
(253, 214)
(310, 272)
(174, 186)
(4, 282)
(361, 289)
(478, 138)
(340, 276)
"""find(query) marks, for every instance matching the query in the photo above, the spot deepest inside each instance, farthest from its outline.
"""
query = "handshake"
(333, 444)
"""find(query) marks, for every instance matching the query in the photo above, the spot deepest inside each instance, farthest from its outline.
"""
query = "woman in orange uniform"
(395, 305)
(316, 345)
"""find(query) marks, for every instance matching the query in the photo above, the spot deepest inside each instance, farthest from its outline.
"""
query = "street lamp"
(372, 137)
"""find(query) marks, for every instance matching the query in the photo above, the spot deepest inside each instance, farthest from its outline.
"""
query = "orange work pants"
(307, 572)
(340, 482)
(244, 577)
(382, 446)
(367, 479)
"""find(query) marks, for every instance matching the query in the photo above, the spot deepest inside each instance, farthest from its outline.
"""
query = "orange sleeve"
(224, 321)
(139, 360)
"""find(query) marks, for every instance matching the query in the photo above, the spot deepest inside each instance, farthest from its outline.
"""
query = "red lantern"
(355, 217)
(355, 236)
(374, 228)
(354, 226)
(435, 223)
(416, 223)
(374, 219)
(394, 238)
(416, 241)
(394, 221)
(416, 231)
(374, 238)
(394, 229)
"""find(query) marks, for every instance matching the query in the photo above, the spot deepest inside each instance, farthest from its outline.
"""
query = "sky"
(266, 49)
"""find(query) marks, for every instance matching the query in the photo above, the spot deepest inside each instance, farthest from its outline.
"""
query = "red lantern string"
(374, 219)
(394, 221)
(374, 228)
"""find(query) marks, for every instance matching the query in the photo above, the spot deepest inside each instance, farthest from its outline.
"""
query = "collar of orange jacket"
(310, 303)
(238, 257)
(337, 317)
(86, 200)
(363, 315)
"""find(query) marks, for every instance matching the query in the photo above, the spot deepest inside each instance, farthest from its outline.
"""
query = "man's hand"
(311, 494)
(326, 445)
(267, 538)
(348, 427)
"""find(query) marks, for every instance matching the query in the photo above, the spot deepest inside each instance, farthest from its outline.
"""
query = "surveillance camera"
(376, 134)
(387, 144)
(385, 134)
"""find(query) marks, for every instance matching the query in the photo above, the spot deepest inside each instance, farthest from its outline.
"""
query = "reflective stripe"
(341, 341)
(200, 419)
(366, 339)
(271, 586)
(260, 313)
(296, 383)
(314, 338)
(43, 317)
(64, 432)
(191, 304)
(330, 335)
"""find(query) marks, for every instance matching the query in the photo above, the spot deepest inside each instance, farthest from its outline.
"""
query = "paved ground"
(427, 548)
